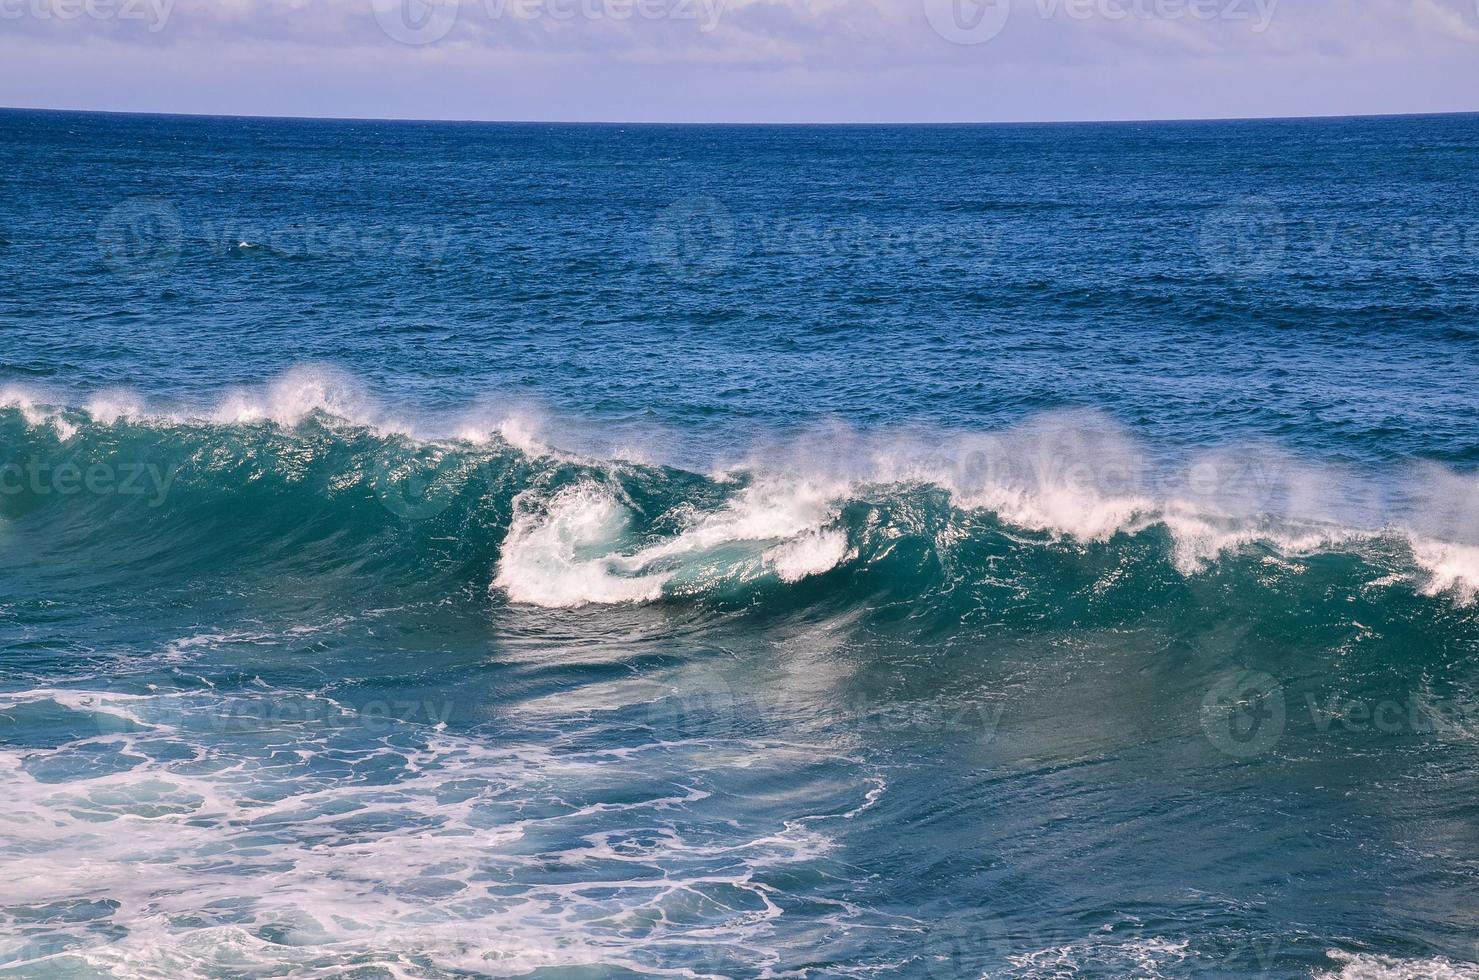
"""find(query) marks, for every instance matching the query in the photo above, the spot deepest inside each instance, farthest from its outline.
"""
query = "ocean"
(557, 551)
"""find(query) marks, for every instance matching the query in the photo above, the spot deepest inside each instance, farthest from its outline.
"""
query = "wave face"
(930, 520)
(475, 703)
(435, 551)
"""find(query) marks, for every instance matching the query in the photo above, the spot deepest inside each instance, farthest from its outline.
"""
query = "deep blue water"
(441, 550)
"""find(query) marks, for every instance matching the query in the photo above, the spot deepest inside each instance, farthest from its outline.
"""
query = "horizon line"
(732, 123)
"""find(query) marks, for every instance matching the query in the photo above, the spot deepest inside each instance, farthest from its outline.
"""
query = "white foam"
(523, 431)
(109, 703)
(768, 510)
(1078, 477)
(520, 426)
(1141, 958)
(812, 553)
(458, 856)
(296, 395)
(287, 401)
(1452, 569)
(36, 413)
(574, 549)
(1370, 966)
(111, 407)
(1200, 538)
(310, 389)
(547, 557)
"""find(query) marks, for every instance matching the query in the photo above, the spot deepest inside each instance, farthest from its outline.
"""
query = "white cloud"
(873, 58)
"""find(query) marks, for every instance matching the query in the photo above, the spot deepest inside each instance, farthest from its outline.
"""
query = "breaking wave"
(309, 471)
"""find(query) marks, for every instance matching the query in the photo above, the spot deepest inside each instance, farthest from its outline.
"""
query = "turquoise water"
(441, 550)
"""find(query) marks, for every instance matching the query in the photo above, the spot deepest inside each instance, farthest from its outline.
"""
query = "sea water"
(443, 550)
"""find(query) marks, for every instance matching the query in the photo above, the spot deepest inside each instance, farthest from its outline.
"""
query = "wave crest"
(312, 461)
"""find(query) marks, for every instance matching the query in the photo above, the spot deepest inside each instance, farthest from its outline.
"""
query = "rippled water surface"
(440, 550)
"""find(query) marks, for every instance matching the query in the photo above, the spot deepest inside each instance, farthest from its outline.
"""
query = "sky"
(743, 60)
